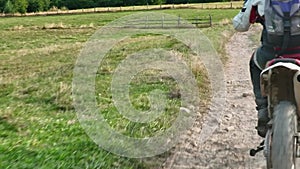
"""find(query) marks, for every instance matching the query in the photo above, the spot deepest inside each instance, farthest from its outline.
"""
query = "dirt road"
(228, 147)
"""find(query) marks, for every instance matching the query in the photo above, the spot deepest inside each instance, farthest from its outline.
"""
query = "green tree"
(106, 3)
(56, 3)
(20, 6)
(9, 7)
(129, 2)
(178, 1)
(2, 5)
(33, 6)
(38, 5)
(157, 2)
(46, 5)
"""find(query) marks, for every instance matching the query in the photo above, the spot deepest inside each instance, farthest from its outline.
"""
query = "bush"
(9, 7)
(20, 6)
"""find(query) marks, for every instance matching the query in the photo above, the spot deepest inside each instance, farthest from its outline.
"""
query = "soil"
(228, 147)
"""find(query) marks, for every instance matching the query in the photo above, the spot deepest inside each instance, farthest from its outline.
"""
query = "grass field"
(38, 123)
(211, 5)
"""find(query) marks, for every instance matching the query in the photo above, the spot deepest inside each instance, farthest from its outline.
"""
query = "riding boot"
(263, 117)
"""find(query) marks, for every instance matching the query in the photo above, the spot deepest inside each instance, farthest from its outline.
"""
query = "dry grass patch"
(17, 28)
(91, 25)
(56, 26)
(225, 21)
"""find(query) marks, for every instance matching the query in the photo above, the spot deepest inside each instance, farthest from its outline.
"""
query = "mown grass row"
(38, 123)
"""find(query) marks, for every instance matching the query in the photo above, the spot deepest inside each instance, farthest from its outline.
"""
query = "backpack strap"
(286, 33)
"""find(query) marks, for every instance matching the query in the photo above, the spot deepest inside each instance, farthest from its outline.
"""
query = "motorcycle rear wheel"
(283, 142)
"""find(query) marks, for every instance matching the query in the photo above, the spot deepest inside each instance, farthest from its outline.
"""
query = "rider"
(260, 57)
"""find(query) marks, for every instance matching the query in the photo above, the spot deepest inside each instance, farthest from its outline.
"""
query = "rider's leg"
(262, 55)
(261, 102)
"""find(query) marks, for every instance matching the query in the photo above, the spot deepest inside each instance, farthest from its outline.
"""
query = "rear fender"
(266, 74)
(280, 82)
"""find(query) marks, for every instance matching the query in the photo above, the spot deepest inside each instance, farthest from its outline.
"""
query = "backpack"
(282, 22)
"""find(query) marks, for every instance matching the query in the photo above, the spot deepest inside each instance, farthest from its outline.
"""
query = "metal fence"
(165, 23)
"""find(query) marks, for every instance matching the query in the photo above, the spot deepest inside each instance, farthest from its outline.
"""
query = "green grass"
(38, 123)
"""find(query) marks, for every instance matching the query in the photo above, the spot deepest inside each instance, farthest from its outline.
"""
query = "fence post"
(178, 22)
(197, 21)
(231, 6)
(147, 25)
(210, 20)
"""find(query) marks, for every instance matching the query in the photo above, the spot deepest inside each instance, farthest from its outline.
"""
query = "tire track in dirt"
(228, 147)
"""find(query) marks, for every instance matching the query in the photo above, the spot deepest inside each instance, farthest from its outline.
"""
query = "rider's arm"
(252, 12)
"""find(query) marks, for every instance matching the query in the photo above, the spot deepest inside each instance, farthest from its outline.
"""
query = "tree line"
(23, 6)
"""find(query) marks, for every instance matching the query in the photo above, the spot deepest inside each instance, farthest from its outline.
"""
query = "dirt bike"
(280, 82)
